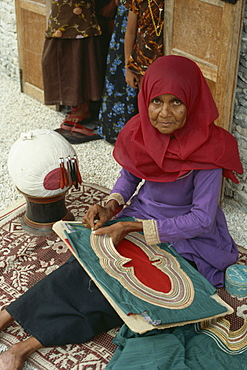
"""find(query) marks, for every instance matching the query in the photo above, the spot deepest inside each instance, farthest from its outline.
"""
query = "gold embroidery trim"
(187, 174)
(182, 291)
(117, 197)
(151, 234)
(220, 328)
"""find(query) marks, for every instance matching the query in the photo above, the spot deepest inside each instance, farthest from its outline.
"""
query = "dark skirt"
(73, 71)
(65, 307)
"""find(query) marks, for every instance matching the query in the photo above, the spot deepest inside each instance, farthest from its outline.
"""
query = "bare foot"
(80, 113)
(15, 356)
(5, 319)
(11, 361)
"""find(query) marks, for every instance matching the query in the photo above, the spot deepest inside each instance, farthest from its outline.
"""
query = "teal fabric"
(158, 349)
(178, 349)
(201, 307)
(204, 352)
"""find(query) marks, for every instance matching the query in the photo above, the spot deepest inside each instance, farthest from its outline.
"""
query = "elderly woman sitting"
(174, 145)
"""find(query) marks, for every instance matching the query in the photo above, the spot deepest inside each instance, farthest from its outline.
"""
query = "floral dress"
(72, 19)
(119, 101)
(72, 60)
(149, 38)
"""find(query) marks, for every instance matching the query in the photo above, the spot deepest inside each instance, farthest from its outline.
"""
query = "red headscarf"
(200, 144)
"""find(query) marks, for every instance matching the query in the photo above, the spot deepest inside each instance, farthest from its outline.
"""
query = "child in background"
(144, 37)
(134, 45)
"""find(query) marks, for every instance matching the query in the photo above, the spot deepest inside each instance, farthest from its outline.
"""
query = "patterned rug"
(25, 259)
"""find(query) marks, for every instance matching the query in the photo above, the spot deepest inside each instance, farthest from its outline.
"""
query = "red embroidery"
(143, 267)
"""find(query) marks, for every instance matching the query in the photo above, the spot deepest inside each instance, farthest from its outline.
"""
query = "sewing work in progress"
(153, 258)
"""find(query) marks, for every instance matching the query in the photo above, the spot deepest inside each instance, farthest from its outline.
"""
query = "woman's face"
(167, 113)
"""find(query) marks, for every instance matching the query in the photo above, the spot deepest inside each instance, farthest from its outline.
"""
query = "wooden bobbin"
(42, 213)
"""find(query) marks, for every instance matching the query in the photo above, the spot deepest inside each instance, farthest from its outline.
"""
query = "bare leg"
(5, 319)
(15, 356)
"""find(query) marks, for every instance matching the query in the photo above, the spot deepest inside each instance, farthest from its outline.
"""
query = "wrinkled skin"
(97, 215)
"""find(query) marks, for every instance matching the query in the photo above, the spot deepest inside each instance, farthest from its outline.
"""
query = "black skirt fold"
(65, 307)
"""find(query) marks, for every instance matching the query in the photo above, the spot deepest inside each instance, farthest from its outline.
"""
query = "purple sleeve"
(201, 217)
(126, 184)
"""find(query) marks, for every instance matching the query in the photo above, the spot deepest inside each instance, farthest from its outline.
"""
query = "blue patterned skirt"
(119, 101)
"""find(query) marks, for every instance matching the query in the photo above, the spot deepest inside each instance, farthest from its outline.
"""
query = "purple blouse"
(187, 215)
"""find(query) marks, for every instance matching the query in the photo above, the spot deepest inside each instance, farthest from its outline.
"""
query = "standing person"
(72, 63)
(128, 59)
(174, 145)
(119, 101)
(144, 37)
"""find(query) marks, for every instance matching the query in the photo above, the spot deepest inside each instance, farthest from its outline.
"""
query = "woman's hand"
(119, 230)
(102, 214)
(132, 79)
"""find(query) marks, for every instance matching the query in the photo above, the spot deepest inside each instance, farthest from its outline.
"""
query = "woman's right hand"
(119, 230)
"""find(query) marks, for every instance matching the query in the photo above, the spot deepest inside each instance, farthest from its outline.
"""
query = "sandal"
(76, 127)
(76, 133)
(71, 117)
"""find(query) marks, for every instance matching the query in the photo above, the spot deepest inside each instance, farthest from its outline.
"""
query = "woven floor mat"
(25, 259)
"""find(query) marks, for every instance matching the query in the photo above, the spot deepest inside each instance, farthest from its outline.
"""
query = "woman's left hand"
(119, 230)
